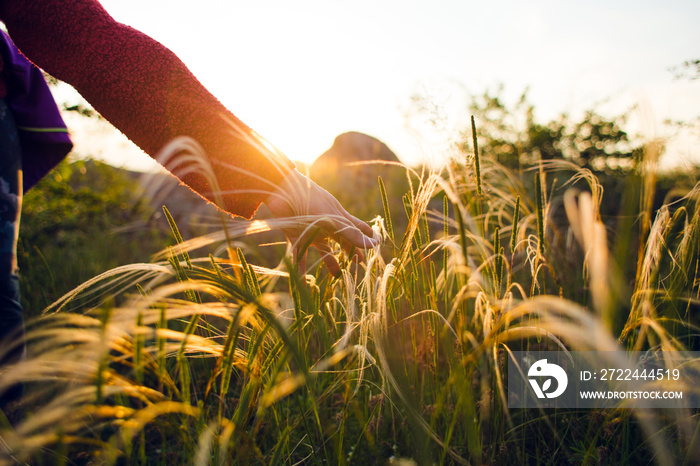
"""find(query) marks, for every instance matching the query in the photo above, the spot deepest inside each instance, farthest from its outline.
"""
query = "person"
(32, 133)
(146, 92)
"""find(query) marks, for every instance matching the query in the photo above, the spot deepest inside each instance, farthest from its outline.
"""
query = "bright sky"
(302, 72)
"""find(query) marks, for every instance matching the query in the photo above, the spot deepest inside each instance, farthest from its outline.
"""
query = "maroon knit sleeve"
(144, 90)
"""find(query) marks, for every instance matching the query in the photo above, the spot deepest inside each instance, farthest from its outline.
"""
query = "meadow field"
(204, 353)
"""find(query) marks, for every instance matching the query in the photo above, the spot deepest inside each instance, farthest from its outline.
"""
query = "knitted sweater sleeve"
(144, 90)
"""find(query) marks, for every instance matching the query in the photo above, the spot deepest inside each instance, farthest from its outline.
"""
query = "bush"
(82, 219)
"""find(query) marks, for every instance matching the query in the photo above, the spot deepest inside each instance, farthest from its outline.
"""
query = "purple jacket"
(43, 135)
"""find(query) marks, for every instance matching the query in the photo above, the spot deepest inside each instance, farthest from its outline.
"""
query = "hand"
(316, 216)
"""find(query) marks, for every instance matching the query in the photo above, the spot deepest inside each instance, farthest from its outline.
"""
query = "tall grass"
(214, 360)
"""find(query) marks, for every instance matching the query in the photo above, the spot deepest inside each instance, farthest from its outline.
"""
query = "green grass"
(215, 360)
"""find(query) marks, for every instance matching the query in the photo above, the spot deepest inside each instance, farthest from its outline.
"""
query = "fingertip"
(353, 252)
(375, 240)
(366, 229)
(371, 242)
(361, 225)
(358, 239)
(332, 264)
(359, 255)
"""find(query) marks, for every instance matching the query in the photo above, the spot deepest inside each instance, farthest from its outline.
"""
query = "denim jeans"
(11, 324)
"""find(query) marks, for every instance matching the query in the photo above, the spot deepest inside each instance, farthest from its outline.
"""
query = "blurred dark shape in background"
(350, 169)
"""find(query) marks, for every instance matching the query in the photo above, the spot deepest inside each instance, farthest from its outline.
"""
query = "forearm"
(144, 90)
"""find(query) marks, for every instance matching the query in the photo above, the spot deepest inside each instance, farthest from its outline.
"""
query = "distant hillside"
(354, 147)
(350, 168)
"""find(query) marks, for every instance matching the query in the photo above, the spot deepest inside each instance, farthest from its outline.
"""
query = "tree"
(514, 138)
(689, 69)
